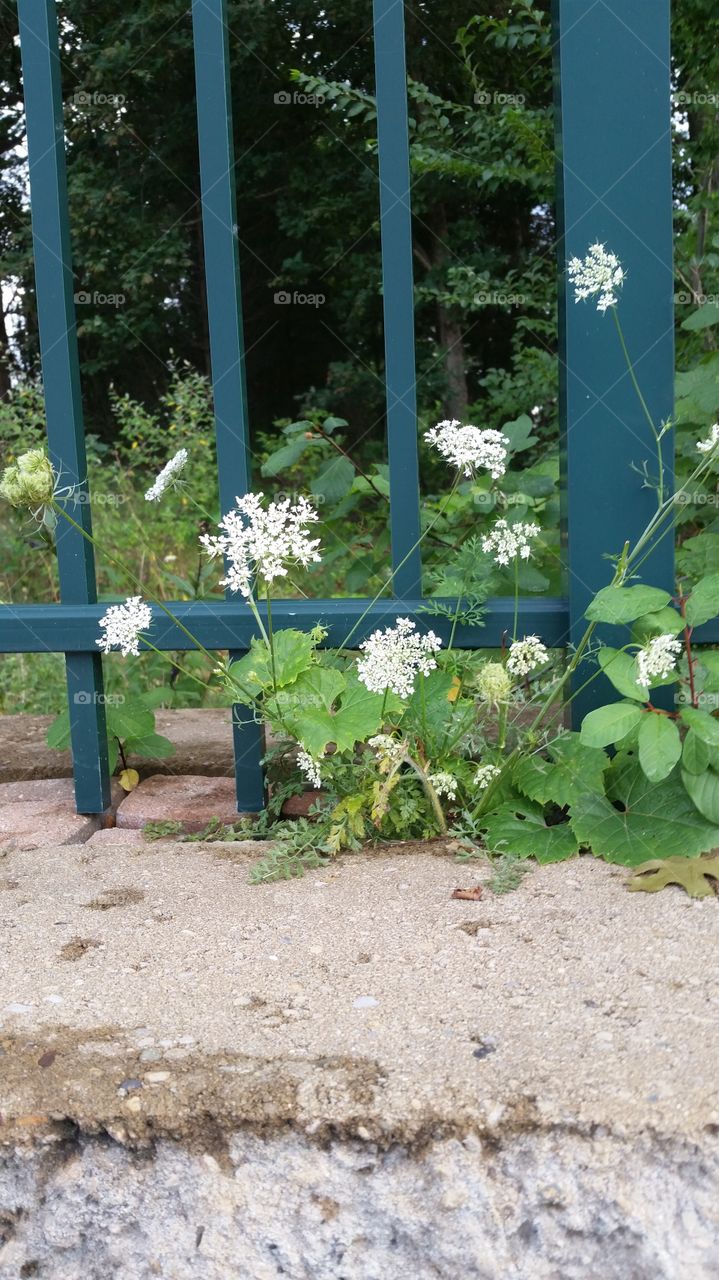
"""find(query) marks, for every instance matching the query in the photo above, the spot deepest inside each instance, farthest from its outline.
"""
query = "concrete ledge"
(352, 1075)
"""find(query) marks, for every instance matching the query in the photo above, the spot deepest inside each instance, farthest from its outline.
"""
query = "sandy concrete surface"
(542, 1064)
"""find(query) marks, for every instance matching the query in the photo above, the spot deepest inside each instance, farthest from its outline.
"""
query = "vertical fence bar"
(613, 108)
(398, 288)
(224, 309)
(61, 380)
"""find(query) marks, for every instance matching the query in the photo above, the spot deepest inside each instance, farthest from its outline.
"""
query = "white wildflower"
(469, 448)
(600, 275)
(167, 477)
(510, 540)
(309, 767)
(657, 659)
(263, 540)
(445, 784)
(389, 751)
(525, 655)
(493, 683)
(393, 658)
(706, 446)
(485, 774)
(122, 625)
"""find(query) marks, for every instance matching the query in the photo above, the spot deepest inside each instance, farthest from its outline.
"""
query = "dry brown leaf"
(468, 895)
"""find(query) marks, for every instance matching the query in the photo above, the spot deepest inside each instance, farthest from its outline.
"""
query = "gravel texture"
(353, 1075)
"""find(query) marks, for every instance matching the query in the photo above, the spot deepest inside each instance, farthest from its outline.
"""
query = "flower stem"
(645, 407)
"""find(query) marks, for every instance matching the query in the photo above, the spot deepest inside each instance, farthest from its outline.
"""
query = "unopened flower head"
(393, 658)
(309, 767)
(657, 659)
(266, 541)
(526, 655)
(494, 683)
(122, 625)
(600, 275)
(445, 784)
(470, 448)
(485, 774)
(29, 482)
(510, 540)
(167, 477)
(711, 442)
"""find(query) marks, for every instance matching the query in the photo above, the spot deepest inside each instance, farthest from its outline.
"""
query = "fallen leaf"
(698, 876)
(128, 779)
(454, 691)
(469, 895)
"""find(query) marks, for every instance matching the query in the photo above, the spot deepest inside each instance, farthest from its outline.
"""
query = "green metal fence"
(613, 148)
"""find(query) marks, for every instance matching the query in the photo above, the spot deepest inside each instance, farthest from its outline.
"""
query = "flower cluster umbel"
(599, 275)
(393, 658)
(510, 540)
(263, 541)
(526, 655)
(470, 448)
(657, 659)
(122, 624)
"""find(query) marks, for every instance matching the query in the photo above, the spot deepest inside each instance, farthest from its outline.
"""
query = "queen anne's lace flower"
(445, 784)
(493, 683)
(485, 774)
(600, 273)
(389, 751)
(167, 477)
(711, 442)
(510, 540)
(263, 540)
(657, 659)
(122, 625)
(469, 448)
(309, 767)
(526, 655)
(393, 658)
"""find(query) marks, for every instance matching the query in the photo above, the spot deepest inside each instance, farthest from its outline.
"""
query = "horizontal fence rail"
(613, 184)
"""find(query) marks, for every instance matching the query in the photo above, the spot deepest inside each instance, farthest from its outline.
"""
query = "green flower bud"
(29, 482)
(494, 683)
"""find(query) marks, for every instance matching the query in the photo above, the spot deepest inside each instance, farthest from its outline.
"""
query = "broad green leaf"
(285, 457)
(665, 622)
(319, 686)
(653, 818)
(695, 753)
(113, 754)
(253, 672)
(153, 746)
(704, 791)
(703, 318)
(520, 433)
(660, 745)
(703, 602)
(519, 828)
(129, 720)
(703, 724)
(620, 605)
(621, 669)
(572, 769)
(699, 876)
(358, 716)
(430, 706)
(58, 734)
(708, 659)
(610, 724)
(334, 479)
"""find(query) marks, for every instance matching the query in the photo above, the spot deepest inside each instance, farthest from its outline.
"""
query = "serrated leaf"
(698, 876)
(357, 717)
(660, 746)
(621, 605)
(703, 603)
(519, 828)
(607, 725)
(703, 724)
(695, 753)
(654, 817)
(128, 779)
(572, 769)
(253, 672)
(704, 791)
(621, 669)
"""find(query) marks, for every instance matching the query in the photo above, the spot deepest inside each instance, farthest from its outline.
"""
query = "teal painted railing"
(613, 184)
